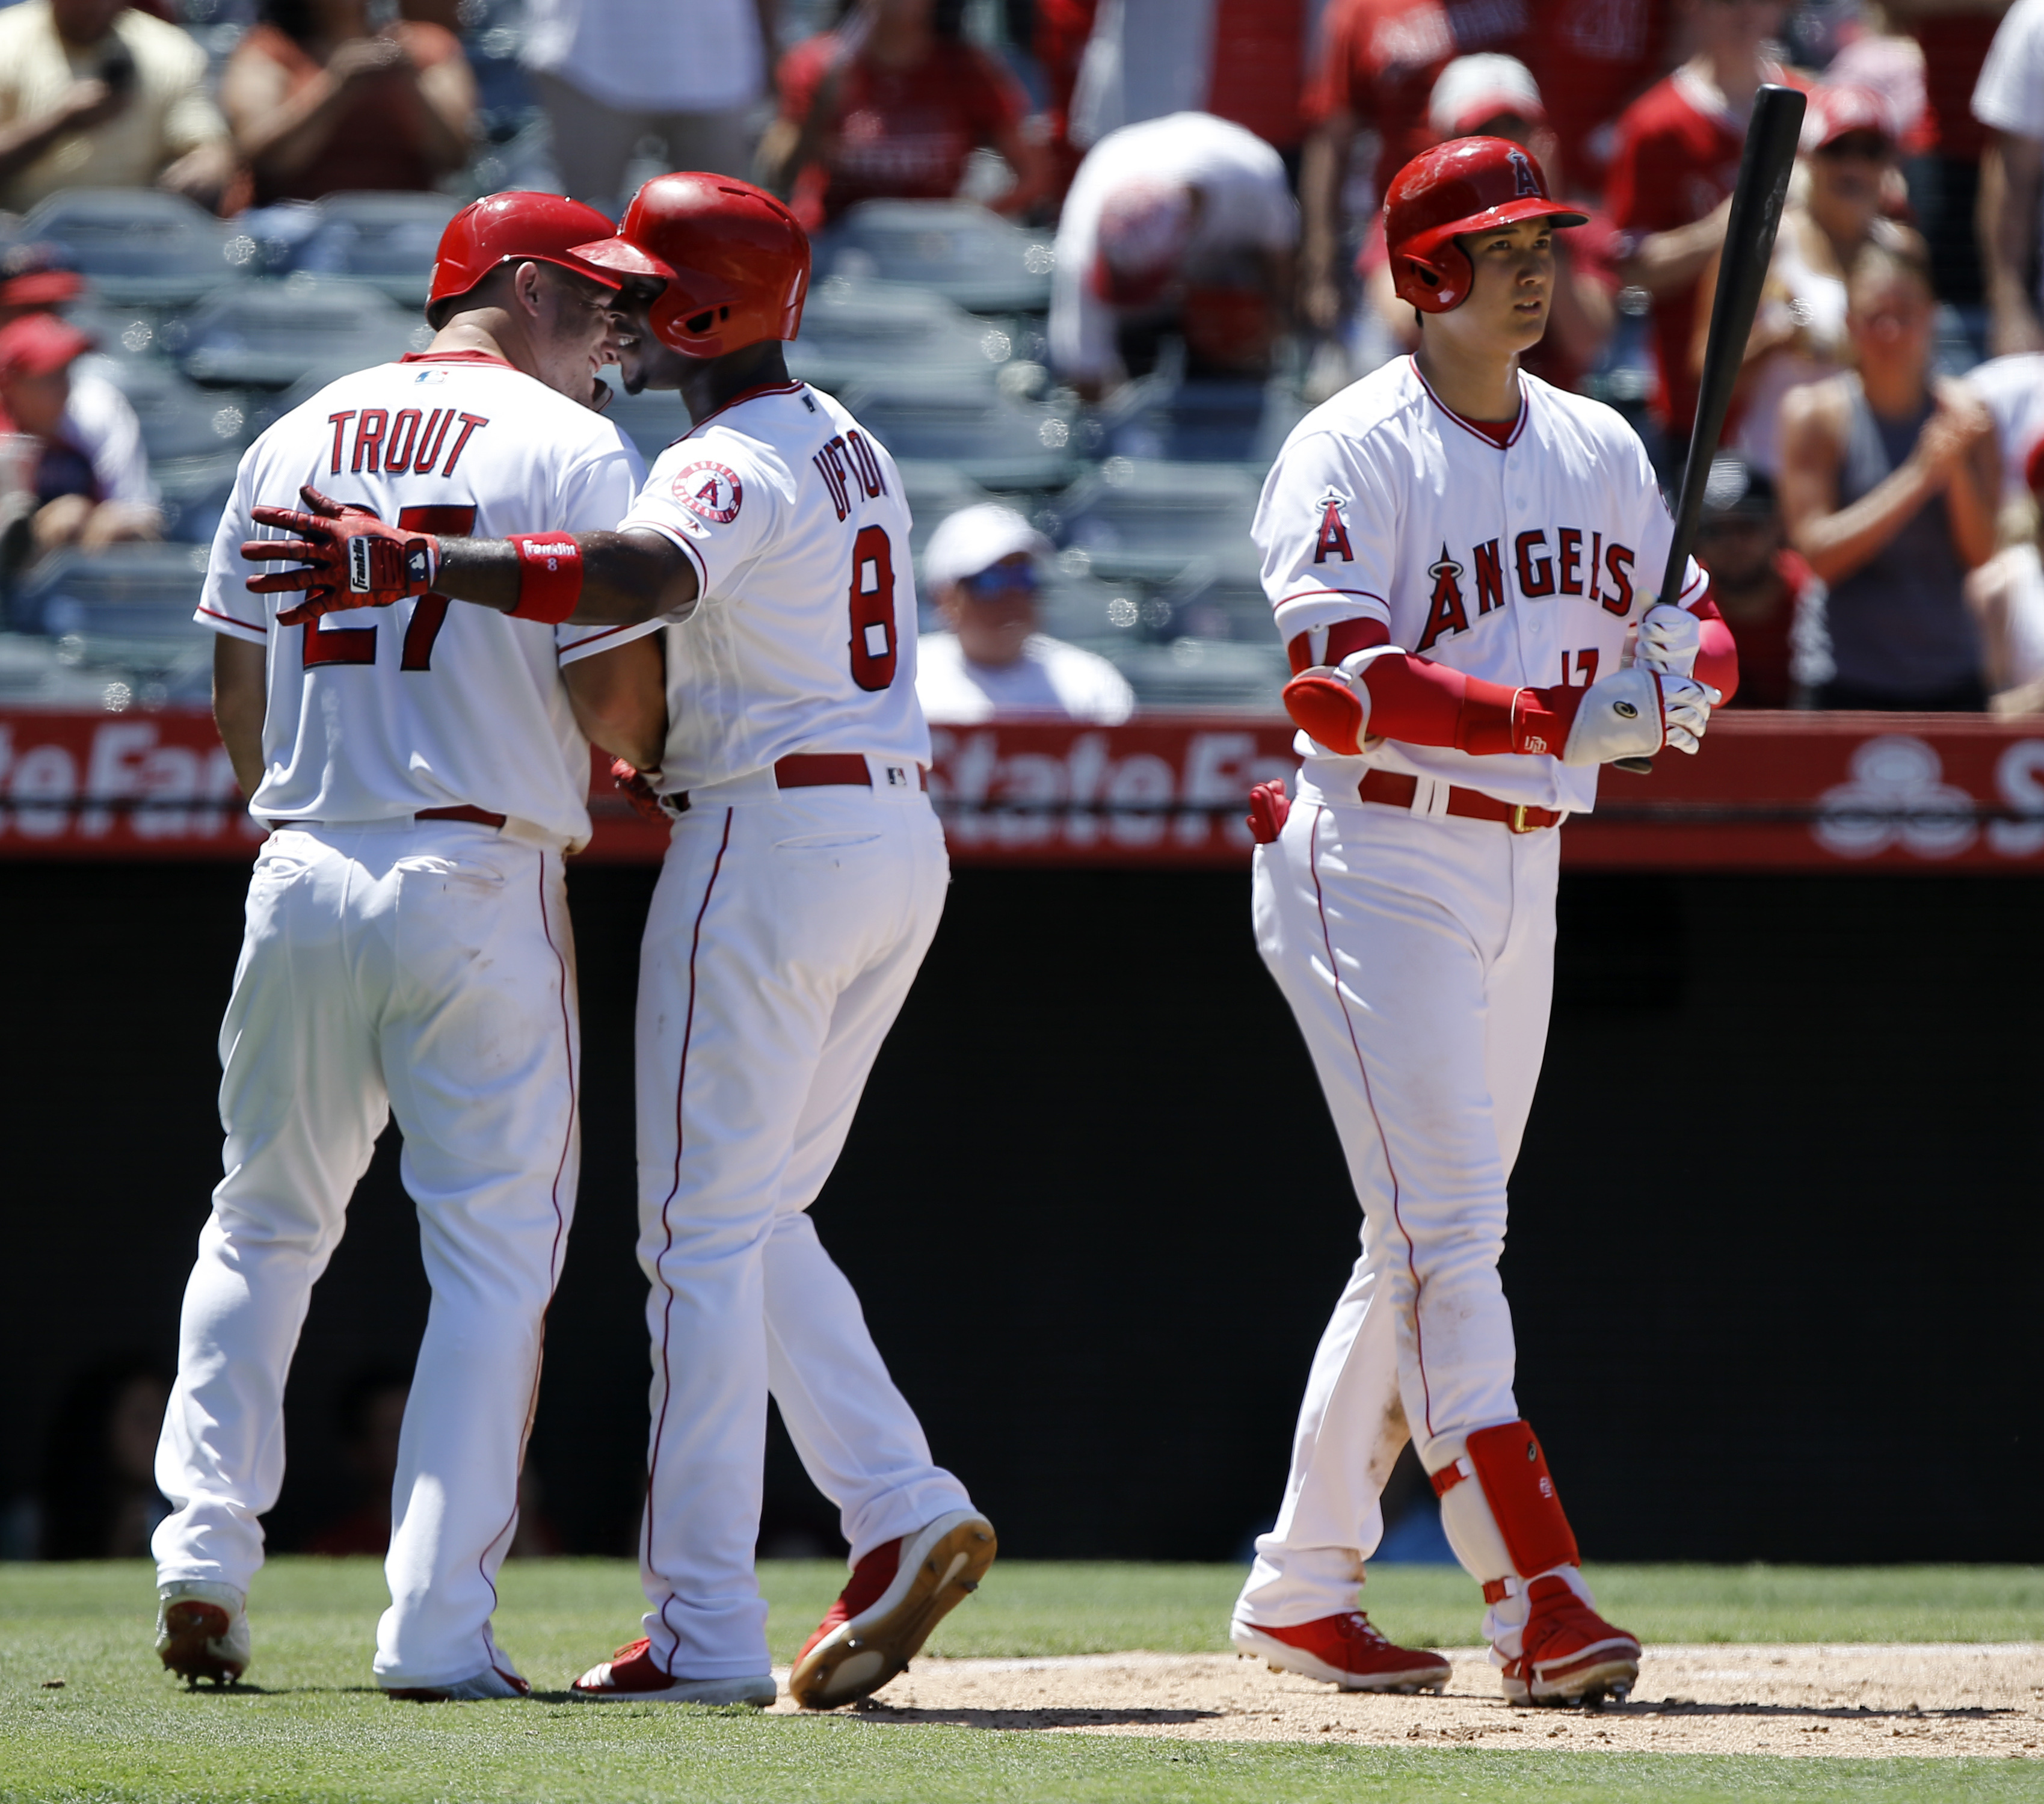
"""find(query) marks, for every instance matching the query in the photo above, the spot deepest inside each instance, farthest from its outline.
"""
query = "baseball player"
(1457, 554)
(408, 947)
(801, 888)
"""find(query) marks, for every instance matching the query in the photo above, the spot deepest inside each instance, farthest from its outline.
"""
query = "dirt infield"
(1868, 1700)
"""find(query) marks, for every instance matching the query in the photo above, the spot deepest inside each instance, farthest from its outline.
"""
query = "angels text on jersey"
(1466, 582)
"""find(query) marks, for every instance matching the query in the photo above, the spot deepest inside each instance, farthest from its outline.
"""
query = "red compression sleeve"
(1717, 659)
(1426, 704)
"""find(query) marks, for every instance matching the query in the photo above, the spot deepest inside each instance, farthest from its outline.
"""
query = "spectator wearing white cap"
(1180, 224)
(981, 568)
(1799, 336)
(1490, 95)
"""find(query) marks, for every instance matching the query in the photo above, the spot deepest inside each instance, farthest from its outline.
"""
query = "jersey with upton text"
(377, 714)
(1524, 564)
(803, 638)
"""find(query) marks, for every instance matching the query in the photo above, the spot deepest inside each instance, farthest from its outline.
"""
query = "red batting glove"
(637, 791)
(347, 558)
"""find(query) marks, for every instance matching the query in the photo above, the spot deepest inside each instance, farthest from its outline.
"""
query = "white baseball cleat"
(1346, 1649)
(630, 1674)
(202, 1631)
(491, 1682)
(898, 1593)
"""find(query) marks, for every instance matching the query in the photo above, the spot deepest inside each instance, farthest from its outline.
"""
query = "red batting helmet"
(738, 262)
(1469, 185)
(514, 227)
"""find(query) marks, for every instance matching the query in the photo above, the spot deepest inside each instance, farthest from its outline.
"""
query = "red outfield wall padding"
(1768, 792)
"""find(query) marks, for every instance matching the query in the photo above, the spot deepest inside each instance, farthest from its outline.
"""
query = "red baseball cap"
(1837, 112)
(37, 344)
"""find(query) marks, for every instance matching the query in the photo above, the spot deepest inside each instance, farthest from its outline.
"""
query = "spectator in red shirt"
(1375, 71)
(1770, 598)
(1677, 156)
(890, 105)
(1493, 96)
(1592, 57)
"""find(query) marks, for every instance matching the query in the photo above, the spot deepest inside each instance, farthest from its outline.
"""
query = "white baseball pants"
(783, 937)
(1417, 954)
(423, 968)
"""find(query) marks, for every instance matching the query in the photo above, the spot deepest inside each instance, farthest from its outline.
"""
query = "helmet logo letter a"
(1522, 171)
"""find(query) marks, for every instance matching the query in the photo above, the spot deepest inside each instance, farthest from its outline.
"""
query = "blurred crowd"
(1185, 198)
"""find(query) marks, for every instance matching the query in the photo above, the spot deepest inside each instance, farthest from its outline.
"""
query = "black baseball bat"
(1764, 166)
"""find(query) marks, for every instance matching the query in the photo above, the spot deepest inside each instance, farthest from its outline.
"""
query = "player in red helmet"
(423, 774)
(801, 888)
(1457, 555)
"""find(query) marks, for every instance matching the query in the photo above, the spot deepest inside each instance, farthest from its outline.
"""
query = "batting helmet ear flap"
(1435, 283)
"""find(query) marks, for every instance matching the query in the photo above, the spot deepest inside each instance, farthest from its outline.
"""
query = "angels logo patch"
(710, 491)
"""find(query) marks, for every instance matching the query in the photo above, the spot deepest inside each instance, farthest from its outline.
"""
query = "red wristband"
(1541, 718)
(549, 576)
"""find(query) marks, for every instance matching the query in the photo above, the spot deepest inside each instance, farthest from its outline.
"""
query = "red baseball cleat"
(1345, 1650)
(1570, 1652)
(631, 1673)
(899, 1592)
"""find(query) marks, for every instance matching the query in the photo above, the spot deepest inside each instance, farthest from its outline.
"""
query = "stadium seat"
(141, 246)
(1141, 518)
(953, 249)
(387, 240)
(1201, 421)
(1203, 676)
(37, 673)
(994, 441)
(129, 596)
(853, 328)
(268, 334)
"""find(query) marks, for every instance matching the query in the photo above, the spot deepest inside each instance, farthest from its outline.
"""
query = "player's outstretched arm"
(346, 558)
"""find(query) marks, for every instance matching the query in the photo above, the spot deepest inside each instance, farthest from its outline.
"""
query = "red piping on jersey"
(1370, 1097)
(659, 1265)
(553, 1256)
(1472, 428)
(245, 626)
(458, 357)
(739, 399)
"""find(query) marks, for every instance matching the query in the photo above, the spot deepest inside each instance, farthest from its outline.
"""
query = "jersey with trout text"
(377, 714)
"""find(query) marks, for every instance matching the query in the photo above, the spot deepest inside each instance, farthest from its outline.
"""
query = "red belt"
(481, 817)
(815, 771)
(1395, 791)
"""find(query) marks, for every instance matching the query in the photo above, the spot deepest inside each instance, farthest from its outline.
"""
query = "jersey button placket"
(1530, 618)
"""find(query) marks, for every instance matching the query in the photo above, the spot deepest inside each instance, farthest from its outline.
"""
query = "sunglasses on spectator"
(997, 579)
(1871, 146)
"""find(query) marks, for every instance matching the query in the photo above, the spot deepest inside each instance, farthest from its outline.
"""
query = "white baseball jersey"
(380, 713)
(803, 639)
(1523, 564)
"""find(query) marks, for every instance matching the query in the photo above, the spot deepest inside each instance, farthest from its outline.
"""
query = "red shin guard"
(1513, 1470)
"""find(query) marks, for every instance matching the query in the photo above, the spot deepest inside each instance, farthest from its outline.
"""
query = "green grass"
(316, 1730)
